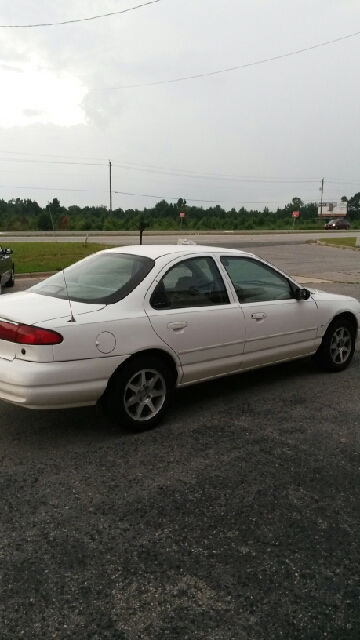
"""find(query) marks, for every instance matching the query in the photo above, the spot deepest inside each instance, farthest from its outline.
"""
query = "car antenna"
(72, 317)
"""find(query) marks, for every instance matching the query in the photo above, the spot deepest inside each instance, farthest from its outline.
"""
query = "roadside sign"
(296, 214)
(332, 209)
(182, 215)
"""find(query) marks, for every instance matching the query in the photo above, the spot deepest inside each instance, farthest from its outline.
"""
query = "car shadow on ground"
(247, 382)
(53, 427)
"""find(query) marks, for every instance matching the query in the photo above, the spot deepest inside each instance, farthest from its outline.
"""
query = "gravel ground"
(237, 519)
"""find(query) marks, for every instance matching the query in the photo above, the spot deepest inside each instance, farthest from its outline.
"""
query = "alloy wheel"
(340, 346)
(144, 395)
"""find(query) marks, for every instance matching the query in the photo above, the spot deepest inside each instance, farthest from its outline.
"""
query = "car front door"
(190, 310)
(278, 327)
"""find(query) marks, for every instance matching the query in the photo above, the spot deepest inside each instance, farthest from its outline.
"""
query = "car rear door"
(190, 310)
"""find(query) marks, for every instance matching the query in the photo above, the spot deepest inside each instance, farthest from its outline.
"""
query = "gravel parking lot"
(238, 518)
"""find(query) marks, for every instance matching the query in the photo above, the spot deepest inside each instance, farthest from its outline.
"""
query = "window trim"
(268, 266)
(112, 298)
(184, 259)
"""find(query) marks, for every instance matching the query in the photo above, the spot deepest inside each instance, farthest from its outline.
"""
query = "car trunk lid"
(34, 309)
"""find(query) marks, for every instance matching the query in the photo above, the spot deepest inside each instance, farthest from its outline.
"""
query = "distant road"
(237, 240)
(307, 263)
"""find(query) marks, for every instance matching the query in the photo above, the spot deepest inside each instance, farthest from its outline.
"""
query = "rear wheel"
(338, 345)
(139, 394)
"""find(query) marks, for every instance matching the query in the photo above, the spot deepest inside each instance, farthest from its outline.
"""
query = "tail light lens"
(26, 334)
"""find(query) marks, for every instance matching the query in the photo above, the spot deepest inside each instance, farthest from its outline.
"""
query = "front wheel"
(140, 392)
(338, 345)
(11, 281)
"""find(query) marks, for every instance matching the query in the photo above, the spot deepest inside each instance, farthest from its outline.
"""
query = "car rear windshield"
(103, 278)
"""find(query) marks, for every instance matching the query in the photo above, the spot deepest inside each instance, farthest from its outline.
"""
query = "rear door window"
(195, 282)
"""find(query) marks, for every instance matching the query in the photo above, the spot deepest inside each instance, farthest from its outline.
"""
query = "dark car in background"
(7, 271)
(339, 223)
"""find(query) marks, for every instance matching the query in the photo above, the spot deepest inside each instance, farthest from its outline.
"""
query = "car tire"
(140, 393)
(338, 345)
(11, 281)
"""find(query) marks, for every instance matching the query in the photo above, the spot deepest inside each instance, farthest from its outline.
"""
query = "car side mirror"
(302, 294)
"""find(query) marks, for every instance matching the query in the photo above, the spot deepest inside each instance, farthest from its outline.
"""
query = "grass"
(30, 257)
(343, 242)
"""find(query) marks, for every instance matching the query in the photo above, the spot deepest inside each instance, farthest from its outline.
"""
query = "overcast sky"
(255, 136)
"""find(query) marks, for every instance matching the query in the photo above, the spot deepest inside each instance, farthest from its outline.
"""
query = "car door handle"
(258, 316)
(177, 326)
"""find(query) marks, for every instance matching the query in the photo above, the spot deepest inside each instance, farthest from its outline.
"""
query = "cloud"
(289, 118)
(33, 113)
(102, 108)
(39, 93)
(8, 67)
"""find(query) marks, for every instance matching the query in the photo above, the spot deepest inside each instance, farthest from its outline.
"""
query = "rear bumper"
(56, 385)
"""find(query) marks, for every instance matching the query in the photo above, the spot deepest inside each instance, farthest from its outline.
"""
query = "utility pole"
(321, 199)
(110, 185)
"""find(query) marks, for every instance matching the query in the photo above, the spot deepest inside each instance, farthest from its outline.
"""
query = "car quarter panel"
(110, 333)
(56, 385)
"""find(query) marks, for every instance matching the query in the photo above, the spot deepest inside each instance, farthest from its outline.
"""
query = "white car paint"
(331, 305)
(208, 344)
(280, 328)
(204, 342)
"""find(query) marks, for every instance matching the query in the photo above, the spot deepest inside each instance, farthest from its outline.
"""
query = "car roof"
(157, 250)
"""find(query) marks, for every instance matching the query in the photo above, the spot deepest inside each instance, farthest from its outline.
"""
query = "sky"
(76, 96)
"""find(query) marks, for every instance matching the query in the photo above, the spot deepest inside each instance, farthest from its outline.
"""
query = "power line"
(121, 164)
(171, 173)
(51, 189)
(224, 178)
(146, 195)
(242, 66)
(48, 155)
(89, 164)
(53, 24)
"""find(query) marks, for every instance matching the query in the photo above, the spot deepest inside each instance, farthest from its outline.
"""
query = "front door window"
(256, 282)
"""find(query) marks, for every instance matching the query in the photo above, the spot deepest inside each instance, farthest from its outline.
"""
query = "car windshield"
(104, 278)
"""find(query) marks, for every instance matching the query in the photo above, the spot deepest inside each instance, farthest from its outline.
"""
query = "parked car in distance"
(339, 223)
(128, 325)
(7, 270)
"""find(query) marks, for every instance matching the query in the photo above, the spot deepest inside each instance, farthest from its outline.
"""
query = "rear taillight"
(26, 334)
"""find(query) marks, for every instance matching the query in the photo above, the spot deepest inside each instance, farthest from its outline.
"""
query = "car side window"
(256, 282)
(195, 282)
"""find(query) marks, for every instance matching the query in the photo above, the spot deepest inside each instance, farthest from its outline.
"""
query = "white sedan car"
(128, 325)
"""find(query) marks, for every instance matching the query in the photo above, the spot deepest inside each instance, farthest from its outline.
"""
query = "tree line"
(27, 215)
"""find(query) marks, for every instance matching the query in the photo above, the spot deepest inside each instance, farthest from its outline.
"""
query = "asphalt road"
(242, 239)
(237, 519)
(289, 251)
